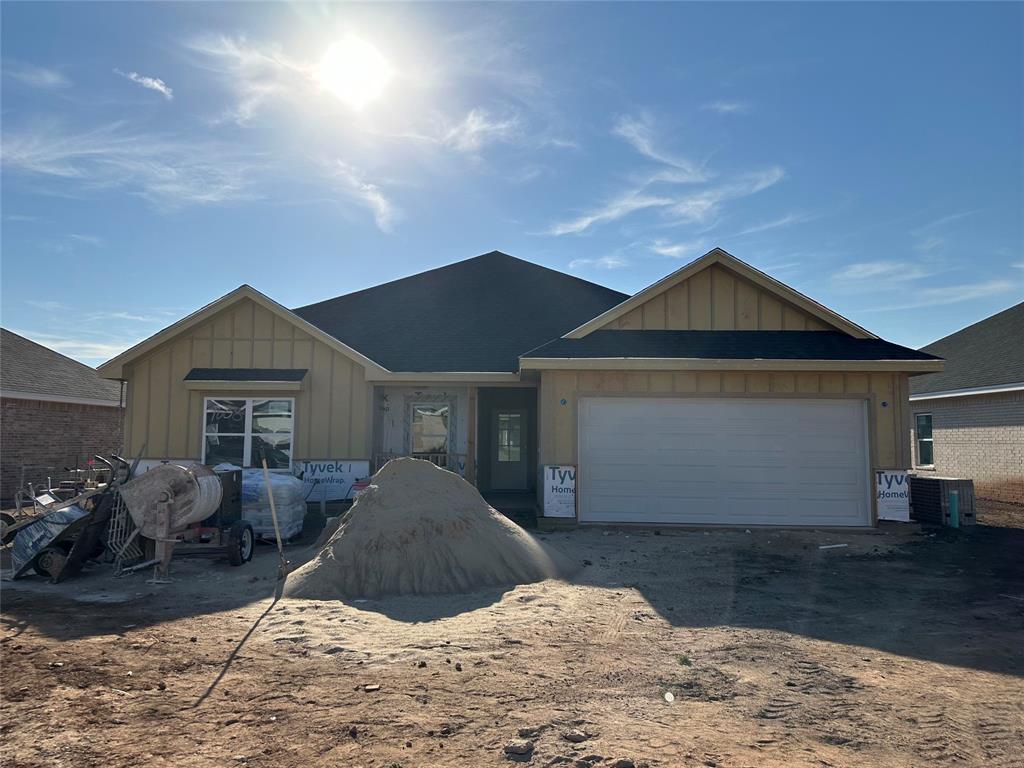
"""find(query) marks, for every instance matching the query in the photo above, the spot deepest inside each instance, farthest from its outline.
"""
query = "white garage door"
(732, 461)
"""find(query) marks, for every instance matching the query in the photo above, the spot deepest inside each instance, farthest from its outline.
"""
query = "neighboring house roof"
(477, 315)
(722, 257)
(988, 354)
(724, 345)
(32, 371)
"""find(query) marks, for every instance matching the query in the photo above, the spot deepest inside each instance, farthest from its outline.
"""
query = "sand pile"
(420, 530)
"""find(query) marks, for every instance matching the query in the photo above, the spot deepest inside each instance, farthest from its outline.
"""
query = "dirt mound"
(420, 530)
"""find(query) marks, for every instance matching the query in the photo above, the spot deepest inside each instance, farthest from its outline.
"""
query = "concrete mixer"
(189, 507)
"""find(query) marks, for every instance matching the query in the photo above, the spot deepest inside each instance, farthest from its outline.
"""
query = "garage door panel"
(723, 461)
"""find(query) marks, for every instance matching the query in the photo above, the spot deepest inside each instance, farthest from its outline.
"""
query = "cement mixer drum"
(191, 493)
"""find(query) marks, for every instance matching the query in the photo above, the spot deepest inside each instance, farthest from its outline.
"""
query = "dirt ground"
(903, 648)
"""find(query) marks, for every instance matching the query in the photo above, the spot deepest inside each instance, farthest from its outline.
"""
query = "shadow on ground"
(954, 597)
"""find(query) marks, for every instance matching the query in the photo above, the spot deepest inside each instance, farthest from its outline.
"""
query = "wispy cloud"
(152, 83)
(611, 261)
(943, 220)
(673, 250)
(950, 294)
(613, 210)
(20, 217)
(88, 349)
(934, 235)
(1017, 265)
(367, 193)
(658, 190)
(87, 239)
(929, 243)
(726, 107)
(478, 128)
(47, 305)
(888, 271)
(166, 171)
(639, 132)
(701, 206)
(783, 221)
(256, 74)
(38, 77)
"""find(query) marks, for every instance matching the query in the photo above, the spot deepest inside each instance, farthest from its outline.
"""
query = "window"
(244, 431)
(510, 430)
(429, 433)
(923, 435)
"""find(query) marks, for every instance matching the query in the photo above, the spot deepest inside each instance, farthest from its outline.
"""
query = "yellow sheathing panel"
(716, 298)
(677, 307)
(332, 410)
(159, 400)
(888, 431)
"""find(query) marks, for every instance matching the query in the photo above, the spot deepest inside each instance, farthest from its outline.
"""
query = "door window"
(510, 431)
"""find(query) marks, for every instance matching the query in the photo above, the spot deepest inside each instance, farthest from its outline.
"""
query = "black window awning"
(245, 378)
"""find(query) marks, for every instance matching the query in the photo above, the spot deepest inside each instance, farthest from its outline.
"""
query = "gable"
(242, 316)
(717, 299)
(719, 292)
(165, 413)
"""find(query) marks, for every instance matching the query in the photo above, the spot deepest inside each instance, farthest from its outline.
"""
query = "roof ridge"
(461, 262)
(975, 324)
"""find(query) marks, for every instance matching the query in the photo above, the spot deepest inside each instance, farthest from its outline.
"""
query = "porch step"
(549, 524)
(520, 508)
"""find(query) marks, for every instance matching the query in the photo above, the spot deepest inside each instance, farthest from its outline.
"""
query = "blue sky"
(156, 156)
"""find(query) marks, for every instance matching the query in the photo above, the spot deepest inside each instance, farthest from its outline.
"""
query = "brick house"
(968, 420)
(54, 412)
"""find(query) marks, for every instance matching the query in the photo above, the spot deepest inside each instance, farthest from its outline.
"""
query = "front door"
(509, 465)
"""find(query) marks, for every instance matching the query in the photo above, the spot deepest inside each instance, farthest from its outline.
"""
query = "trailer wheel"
(49, 561)
(241, 542)
(6, 521)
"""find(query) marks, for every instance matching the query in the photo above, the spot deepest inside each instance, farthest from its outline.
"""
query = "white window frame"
(917, 441)
(247, 435)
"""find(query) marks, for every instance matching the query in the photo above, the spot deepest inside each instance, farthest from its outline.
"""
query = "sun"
(354, 71)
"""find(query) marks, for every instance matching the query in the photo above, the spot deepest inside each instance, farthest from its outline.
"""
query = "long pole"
(282, 569)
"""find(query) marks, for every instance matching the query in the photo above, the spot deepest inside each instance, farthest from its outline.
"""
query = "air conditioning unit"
(929, 499)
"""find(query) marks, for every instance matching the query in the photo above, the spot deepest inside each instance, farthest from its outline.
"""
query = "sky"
(156, 156)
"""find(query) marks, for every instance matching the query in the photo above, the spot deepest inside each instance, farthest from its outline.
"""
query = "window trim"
(918, 439)
(248, 434)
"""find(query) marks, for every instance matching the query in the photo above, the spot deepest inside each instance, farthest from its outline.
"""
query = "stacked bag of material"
(288, 500)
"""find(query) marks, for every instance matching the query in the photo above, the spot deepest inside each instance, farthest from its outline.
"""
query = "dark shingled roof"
(31, 368)
(246, 374)
(727, 345)
(475, 315)
(986, 354)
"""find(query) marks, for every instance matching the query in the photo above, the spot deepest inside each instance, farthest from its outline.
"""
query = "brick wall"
(979, 437)
(52, 434)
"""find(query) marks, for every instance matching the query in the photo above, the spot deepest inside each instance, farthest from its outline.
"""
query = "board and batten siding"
(717, 299)
(888, 425)
(332, 410)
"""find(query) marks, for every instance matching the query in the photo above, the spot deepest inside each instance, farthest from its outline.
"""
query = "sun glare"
(354, 71)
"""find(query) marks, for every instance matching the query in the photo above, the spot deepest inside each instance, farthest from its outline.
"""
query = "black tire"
(241, 543)
(6, 521)
(50, 560)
